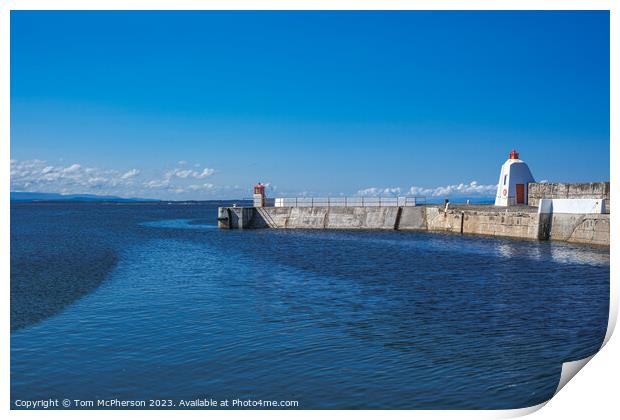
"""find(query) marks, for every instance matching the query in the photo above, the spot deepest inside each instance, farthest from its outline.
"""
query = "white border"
(596, 384)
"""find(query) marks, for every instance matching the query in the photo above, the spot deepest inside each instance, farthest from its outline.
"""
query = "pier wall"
(491, 221)
(513, 224)
(326, 217)
(538, 190)
(580, 228)
(413, 218)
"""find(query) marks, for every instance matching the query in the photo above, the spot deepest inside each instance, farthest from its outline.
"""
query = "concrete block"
(580, 228)
(345, 218)
(413, 218)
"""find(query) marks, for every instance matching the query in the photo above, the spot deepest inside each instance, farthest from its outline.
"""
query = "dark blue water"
(146, 301)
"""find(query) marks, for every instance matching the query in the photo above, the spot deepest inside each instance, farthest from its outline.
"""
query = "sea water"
(151, 301)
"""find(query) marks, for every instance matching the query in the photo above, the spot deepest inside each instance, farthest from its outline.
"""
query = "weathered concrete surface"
(572, 205)
(385, 218)
(512, 224)
(413, 218)
(235, 217)
(519, 222)
(440, 221)
(496, 223)
(580, 228)
(273, 217)
(538, 190)
(326, 217)
(307, 218)
(223, 217)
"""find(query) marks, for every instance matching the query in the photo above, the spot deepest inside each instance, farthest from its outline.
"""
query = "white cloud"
(182, 173)
(98, 182)
(179, 183)
(189, 173)
(130, 174)
(71, 169)
(197, 187)
(473, 188)
(157, 184)
(206, 172)
(37, 175)
(374, 191)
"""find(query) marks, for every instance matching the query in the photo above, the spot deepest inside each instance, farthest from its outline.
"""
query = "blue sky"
(201, 105)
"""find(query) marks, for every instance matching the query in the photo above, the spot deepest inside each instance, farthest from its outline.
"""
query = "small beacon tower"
(513, 180)
(259, 195)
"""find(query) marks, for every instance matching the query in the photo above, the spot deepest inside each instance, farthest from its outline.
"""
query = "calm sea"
(153, 301)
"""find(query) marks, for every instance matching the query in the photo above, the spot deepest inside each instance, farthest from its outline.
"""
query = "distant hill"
(37, 196)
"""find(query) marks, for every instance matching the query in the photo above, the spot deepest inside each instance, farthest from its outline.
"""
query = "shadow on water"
(53, 264)
(62, 251)
(43, 287)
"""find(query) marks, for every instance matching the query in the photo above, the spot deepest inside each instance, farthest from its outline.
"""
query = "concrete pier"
(236, 217)
(522, 222)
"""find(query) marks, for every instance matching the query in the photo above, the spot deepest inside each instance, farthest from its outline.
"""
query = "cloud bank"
(183, 182)
(376, 192)
(40, 176)
(473, 188)
(454, 190)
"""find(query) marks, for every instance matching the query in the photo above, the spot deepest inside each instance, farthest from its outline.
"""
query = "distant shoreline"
(33, 201)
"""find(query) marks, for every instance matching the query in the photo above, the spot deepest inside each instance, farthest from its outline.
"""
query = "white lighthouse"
(513, 180)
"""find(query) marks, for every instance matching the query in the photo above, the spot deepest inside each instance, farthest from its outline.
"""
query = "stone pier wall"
(538, 190)
(513, 224)
(524, 223)
(413, 218)
(326, 217)
(580, 228)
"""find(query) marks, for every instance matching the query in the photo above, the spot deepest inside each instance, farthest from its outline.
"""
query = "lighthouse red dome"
(513, 154)
(259, 189)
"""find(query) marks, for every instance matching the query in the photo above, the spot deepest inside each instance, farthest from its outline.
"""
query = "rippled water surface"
(140, 301)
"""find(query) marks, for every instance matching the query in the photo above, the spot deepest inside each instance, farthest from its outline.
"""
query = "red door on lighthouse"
(520, 193)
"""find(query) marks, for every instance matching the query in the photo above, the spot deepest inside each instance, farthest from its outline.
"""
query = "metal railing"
(349, 201)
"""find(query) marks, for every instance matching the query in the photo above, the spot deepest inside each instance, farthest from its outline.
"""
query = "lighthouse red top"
(259, 189)
(513, 154)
